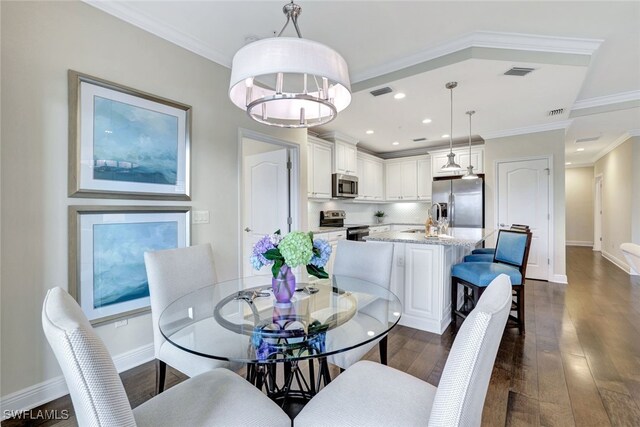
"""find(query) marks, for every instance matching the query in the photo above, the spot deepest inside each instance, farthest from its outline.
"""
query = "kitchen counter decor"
(284, 253)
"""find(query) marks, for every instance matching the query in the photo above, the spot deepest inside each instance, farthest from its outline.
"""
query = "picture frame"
(107, 274)
(125, 143)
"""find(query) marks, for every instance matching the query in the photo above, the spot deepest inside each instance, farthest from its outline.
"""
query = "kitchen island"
(421, 272)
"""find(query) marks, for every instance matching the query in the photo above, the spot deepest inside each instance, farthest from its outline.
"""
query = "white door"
(266, 201)
(523, 198)
(597, 222)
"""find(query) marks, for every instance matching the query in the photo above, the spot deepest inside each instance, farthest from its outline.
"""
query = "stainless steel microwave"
(344, 186)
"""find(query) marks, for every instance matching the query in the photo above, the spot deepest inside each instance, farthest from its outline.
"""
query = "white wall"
(635, 191)
(579, 189)
(618, 190)
(550, 143)
(40, 42)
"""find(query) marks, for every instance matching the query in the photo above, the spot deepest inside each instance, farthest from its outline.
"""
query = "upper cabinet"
(424, 178)
(439, 159)
(318, 169)
(409, 178)
(345, 153)
(370, 178)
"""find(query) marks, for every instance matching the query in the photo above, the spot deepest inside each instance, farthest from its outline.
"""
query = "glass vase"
(284, 285)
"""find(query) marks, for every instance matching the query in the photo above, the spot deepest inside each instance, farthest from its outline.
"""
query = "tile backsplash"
(363, 212)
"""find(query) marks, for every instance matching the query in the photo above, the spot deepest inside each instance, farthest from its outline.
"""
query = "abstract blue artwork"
(126, 143)
(134, 144)
(119, 273)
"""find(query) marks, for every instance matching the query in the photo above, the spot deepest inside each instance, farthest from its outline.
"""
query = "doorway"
(269, 192)
(523, 190)
(597, 214)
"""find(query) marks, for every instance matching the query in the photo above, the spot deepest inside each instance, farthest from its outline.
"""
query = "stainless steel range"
(337, 218)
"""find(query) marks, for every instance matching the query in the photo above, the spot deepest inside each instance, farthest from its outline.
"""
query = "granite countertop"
(317, 230)
(470, 237)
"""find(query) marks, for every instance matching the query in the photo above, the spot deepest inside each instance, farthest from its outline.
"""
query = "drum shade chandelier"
(469, 174)
(451, 165)
(290, 82)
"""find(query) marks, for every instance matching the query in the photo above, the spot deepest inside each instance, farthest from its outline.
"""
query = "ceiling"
(585, 56)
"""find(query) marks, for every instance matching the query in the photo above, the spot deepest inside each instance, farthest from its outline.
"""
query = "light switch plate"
(201, 217)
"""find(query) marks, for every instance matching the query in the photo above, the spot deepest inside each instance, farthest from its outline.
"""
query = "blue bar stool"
(491, 251)
(510, 258)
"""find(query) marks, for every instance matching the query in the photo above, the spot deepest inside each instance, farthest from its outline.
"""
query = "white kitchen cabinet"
(424, 179)
(421, 279)
(345, 158)
(408, 179)
(370, 178)
(439, 159)
(318, 170)
(344, 152)
(333, 239)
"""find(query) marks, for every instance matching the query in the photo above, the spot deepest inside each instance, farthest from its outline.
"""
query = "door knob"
(247, 229)
(503, 225)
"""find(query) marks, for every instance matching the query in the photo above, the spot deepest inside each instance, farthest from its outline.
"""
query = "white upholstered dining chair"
(216, 398)
(370, 261)
(369, 394)
(172, 274)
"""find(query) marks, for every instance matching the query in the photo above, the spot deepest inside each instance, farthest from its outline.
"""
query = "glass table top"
(240, 320)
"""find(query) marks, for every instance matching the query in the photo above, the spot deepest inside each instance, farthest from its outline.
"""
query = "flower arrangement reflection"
(293, 250)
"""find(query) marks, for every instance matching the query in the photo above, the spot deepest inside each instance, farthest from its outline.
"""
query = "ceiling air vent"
(419, 139)
(519, 71)
(589, 139)
(556, 112)
(381, 91)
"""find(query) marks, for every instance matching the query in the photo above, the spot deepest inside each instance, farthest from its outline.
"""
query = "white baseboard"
(560, 278)
(578, 243)
(54, 388)
(133, 358)
(617, 261)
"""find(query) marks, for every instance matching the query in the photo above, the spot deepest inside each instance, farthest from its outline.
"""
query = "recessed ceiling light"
(399, 95)
(369, 132)
(446, 135)
(568, 163)
(425, 121)
(395, 143)
(580, 149)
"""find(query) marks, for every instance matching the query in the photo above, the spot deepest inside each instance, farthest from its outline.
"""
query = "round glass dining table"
(240, 321)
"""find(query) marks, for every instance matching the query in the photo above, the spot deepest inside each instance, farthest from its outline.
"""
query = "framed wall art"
(124, 143)
(107, 275)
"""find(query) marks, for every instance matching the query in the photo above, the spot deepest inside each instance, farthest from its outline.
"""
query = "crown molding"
(600, 101)
(131, 15)
(579, 165)
(334, 136)
(618, 141)
(486, 39)
(564, 124)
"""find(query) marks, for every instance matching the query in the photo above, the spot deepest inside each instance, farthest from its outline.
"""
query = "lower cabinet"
(421, 278)
(333, 238)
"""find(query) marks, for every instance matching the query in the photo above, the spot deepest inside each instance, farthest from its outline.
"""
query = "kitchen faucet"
(439, 211)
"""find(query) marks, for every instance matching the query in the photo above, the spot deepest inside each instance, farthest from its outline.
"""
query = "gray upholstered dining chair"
(370, 261)
(216, 398)
(171, 274)
(369, 394)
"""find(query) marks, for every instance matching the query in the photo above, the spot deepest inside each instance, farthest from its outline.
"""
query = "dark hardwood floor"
(578, 364)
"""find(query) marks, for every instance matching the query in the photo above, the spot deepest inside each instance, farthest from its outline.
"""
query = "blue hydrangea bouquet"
(294, 249)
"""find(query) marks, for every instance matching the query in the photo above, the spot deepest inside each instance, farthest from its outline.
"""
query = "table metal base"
(294, 387)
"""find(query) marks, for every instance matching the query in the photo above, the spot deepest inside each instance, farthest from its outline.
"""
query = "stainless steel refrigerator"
(461, 200)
